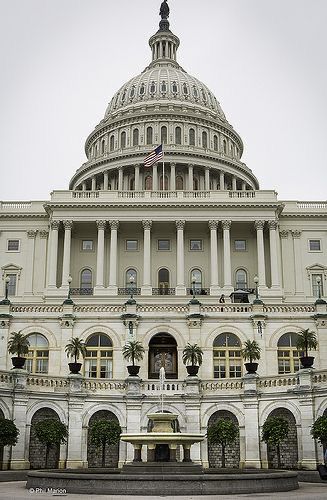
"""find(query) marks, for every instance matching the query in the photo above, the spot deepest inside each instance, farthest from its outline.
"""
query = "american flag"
(153, 157)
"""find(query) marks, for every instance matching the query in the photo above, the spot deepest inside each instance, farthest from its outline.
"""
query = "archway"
(232, 454)
(288, 447)
(37, 450)
(163, 352)
(94, 455)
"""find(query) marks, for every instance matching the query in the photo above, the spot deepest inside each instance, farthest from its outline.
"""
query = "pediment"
(10, 269)
(316, 269)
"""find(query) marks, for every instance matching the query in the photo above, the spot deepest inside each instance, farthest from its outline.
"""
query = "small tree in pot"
(223, 432)
(251, 351)
(307, 340)
(193, 354)
(133, 351)
(274, 431)
(18, 344)
(103, 433)
(74, 349)
(50, 432)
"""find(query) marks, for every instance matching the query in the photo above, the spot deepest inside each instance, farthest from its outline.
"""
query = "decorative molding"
(31, 233)
(55, 224)
(273, 225)
(101, 224)
(213, 224)
(259, 225)
(226, 224)
(114, 225)
(180, 224)
(147, 224)
(284, 234)
(68, 224)
(296, 233)
(43, 233)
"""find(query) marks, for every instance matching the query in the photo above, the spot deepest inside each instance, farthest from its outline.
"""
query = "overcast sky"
(61, 61)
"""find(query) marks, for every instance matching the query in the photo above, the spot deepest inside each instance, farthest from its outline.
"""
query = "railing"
(163, 291)
(198, 291)
(228, 308)
(153, 387)
(221, 385)
(290, 380)
(129, 291)
(289, 308)
(81, 291)
(312, 204)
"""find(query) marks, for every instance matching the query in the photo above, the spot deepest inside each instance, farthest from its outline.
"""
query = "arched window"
(123, 97)
(288, 355)
(241, 279)
(215, 143)
(185, 89)
(227, 361)
(164, 135)
(136, 137)
(195, 92)
(142, 89)
(192, 137)
(98, 359)
(196, 280)
(179, 183)
(204, 139)
(102, 146)
(163, 352)
(123, 140)
(149, 135)
(163, 281)
(225, 146)
(131, 273)
(112, 143)
(86, 279)
(152, 87)
(148, 183)
(178, 135)
(37, 360)
(174, 88)
(132, 92)
(163, 87)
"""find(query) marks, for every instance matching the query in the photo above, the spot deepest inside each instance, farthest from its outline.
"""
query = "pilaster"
(19, 454)
(31, 235)
(75, 425)
(252, 459)
(146, 286)
(180, 285)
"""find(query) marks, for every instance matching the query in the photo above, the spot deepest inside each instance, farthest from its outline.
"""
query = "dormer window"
(152, 88)
(185, 89)
(204, 97)
(175, 88)
(163, 87)
(142, 89)
(132, 92)
(195, 92)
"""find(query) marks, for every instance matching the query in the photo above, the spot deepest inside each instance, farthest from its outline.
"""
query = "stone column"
(222, 180)
(252, 435)
(53, 254)
(19, 453)
(101, 225)
(299, 288)
(75, 426)
(93, 183)
(275, 282)
(259, 225)
(83, 186)
(306, 404)
(207, 179)
(31, 235)
(44, 234)
(114, 224)
(190, 177)
(120, 178)
(180, 285)
(234, 185)
(287, 271)
(105, 180)
(155, 177)
(137, 177)
(243, 186)
(173, 177)
(68, 224)
(227, 255)
(147, 286)
(214, 286)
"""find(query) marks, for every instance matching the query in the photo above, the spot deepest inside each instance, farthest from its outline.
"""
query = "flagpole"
(163, 169)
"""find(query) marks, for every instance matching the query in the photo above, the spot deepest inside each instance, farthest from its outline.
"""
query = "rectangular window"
(315, 245)
(132, 245)
(239, 245)
(196, 245)
(12, 284)
(13, 245)
(87, 245)
(163, 244)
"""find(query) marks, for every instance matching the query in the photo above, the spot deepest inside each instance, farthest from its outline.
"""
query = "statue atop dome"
(164, 10)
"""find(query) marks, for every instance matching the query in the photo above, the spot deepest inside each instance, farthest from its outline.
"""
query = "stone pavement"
(15, 490)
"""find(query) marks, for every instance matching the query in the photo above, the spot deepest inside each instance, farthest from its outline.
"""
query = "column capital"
(101, 224)
(137, 165)
(31, 233)
(120, 168)
(180, 224)
(284, 233)
(227, 224)
(173, 164)
(259, 224)
(43, 233)
(213, 224)
(68, 224)
(147, 224)
(114, 224)
(273, 224)
(55, 224)
(296, 233)
(190, 164)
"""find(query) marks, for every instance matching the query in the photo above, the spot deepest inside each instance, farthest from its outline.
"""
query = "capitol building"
(208, 258)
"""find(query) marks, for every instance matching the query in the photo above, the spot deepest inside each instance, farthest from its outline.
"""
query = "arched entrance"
(232, 453)
(288, 447)
(94, 454)
(37, 450)
(163, 352)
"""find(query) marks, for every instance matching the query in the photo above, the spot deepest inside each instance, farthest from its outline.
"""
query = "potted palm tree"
(74, 349)
(133, 351)
(193, 354)
(18, 344)
(306, 341)
(251, 351)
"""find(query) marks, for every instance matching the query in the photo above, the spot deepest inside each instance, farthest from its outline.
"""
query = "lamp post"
(69, 300)
(257, 300)
(6, 301)
(319, 299)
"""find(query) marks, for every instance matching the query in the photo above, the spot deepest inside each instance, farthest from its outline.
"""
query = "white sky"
(61, 61)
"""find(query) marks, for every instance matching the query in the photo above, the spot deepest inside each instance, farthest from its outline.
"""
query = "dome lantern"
(164, 43)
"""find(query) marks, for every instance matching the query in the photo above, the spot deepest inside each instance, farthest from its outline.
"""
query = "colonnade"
(217, 284)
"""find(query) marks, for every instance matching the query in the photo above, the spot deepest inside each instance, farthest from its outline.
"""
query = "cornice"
(23, 216)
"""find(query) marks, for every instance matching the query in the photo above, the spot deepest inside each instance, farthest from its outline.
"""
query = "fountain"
(166, 477)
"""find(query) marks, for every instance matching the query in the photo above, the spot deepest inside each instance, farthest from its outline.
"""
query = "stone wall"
(94, 454)
(37, 450)
(232, 452)
(288, 448)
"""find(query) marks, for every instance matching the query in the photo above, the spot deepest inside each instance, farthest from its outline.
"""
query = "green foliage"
(18, 344)
(192, 353)
(105, 432)
(275, 430)
(8, 433)
(319, 430)
(222, 432)
(306, 341)
(75, 348)
(51, 431)
(133, 351)
(251, 350)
